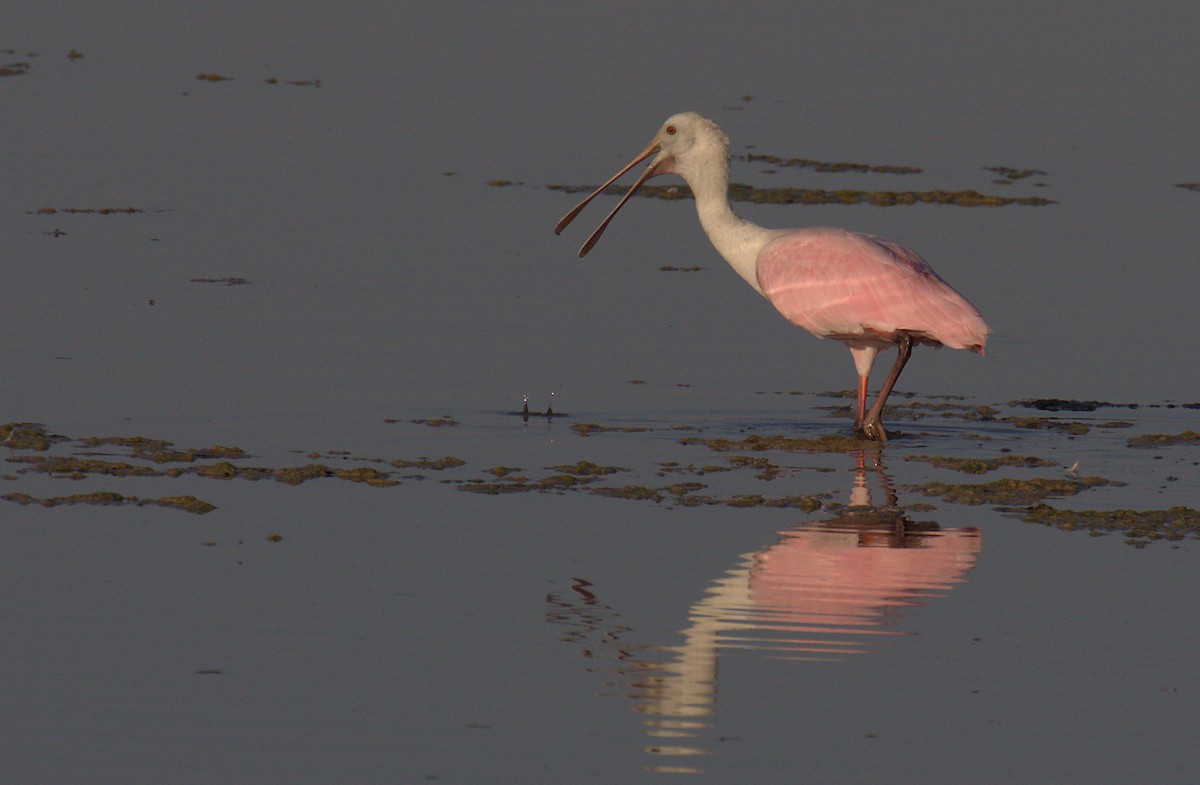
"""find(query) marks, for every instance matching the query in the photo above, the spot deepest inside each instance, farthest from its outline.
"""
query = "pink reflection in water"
(821, 592)
(846, 576)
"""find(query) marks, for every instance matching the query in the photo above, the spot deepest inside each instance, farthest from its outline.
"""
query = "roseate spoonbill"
(864, 291)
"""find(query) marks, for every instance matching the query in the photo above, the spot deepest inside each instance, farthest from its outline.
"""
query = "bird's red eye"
(670, 130)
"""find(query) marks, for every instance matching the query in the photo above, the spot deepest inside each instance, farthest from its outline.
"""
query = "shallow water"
(814, 617)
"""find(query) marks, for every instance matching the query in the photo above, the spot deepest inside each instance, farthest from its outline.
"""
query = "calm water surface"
(335, 631)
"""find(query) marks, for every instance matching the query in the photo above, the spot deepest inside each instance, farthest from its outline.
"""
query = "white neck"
(738, 240)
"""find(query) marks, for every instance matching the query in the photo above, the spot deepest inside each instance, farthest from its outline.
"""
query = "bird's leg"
(873, 427)
(860, 411)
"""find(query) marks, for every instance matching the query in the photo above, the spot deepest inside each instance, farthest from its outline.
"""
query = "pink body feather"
(862, 290)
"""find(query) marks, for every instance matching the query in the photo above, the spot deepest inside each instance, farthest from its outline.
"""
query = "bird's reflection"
(825, 590)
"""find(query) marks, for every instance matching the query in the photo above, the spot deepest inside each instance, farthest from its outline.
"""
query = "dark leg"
(873, 427)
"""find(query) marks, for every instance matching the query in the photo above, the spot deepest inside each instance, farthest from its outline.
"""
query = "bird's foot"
(871, 429)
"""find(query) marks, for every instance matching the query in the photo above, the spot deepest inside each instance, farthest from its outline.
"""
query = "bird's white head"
(689, 144)
(686, 144)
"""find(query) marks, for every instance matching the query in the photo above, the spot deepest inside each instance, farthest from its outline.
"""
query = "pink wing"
(840, 284)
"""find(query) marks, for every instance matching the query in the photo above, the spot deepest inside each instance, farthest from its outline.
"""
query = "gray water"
(333, 631)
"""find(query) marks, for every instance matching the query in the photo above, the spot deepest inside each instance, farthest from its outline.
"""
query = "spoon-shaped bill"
(591, 241)
(566, 219)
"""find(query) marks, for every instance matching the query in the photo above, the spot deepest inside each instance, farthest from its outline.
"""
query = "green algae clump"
(218, 471)
(981, 465)
(1149, 440)
(78, 468)
(588, 428)
(637, 492)
(296, 475)
(367, 475)
(108, 498)
(160, 451)
(1010, 491)
(827, 443)
(186, 503)
(563, 482)
(588, 469)
(1139, 527)
(28, 436)
(515, 485)
(1070, 427)
(437, 464)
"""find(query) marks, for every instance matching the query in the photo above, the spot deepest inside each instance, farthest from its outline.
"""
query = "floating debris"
(295, 82)
(226, 281)
(213, 78)
(826, 166)
(89, 210)
(1188, 186)
(14, 69)
(1064, 405)
(1010, 174)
